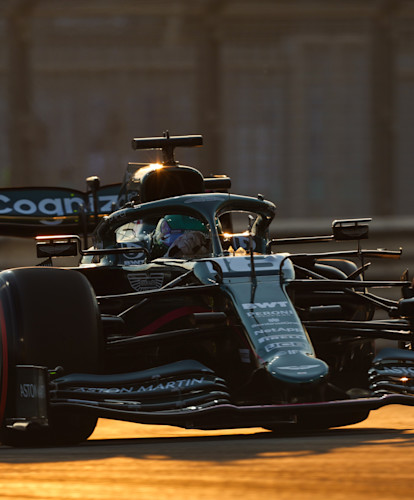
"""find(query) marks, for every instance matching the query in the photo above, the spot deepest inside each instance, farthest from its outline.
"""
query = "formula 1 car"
(182, 313)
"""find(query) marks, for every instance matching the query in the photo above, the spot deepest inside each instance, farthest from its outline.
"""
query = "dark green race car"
(181, 313)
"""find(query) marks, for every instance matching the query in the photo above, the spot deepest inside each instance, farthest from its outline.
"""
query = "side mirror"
(350, 229)
(57, 246)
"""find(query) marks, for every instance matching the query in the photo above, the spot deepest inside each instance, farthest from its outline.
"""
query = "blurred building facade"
(309, 102)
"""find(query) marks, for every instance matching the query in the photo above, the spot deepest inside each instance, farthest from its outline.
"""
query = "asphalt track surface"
(370, 460)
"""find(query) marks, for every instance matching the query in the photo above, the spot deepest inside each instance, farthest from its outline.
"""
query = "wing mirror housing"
(350, 229)
(71, 246)
(57, 246)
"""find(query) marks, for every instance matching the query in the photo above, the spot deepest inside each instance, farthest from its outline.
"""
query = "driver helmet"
(171, 227)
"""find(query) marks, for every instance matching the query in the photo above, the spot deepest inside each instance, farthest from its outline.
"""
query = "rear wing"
(37, 211)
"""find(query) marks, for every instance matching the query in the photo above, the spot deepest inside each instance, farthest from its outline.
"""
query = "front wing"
(228, 416)
(34, 400)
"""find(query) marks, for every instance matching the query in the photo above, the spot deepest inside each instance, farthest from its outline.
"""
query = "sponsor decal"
(47, 206)
(265, 305)
(131, 258)
(278, 345)
(289, 330)
(273, 327)
(270, 322)
(397, 371)
(31, 391)
(269, 314)
(285, 334)
(298, 368)
(172, 385)
(264, 331)
(244, 355)
(51, 206)
(279, 337)
(141, 281)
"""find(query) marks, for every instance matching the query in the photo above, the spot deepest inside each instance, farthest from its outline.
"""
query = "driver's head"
(180, 235)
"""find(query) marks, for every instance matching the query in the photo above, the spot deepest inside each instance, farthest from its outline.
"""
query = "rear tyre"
(342, 269)
(48, 317)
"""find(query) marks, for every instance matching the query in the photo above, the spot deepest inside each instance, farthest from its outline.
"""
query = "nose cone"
(297, 368)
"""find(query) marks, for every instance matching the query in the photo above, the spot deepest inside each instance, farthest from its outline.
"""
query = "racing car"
(181, 311)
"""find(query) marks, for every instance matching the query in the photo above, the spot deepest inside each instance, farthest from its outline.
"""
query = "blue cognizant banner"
(32, 211)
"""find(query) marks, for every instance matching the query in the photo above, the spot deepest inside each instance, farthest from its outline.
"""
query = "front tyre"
(48, 317)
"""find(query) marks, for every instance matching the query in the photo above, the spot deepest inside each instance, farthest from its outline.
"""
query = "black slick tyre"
(48, 317)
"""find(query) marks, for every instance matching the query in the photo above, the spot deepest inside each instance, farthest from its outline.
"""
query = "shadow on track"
(220, 449)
